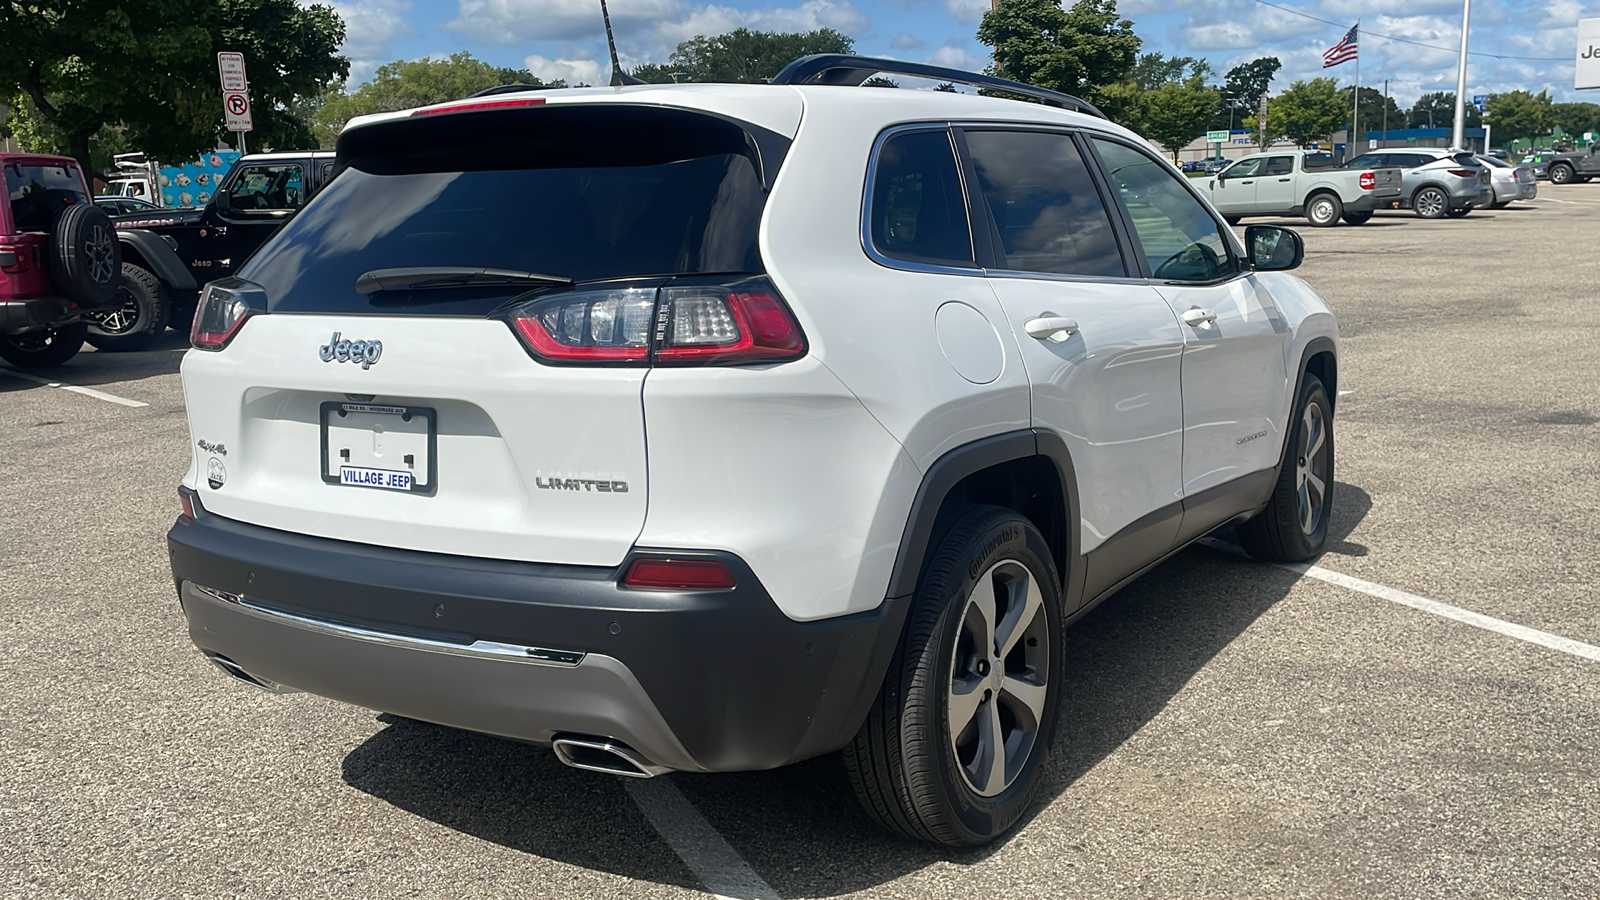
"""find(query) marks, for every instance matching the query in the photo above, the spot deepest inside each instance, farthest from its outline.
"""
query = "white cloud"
(967, 11)
(370, 28)
(952, 56)
(905, 42)
(572, 71)
(517, 21)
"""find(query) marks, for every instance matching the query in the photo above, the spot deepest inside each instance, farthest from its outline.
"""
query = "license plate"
(371, 445)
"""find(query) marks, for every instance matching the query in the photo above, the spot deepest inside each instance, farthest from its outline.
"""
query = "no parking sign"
(235, 91)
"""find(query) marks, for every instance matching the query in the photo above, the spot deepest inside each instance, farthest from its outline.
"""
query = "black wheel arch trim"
(1314, 347)
(159, 257)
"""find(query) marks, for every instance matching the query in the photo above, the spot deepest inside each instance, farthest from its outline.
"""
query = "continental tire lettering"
(1006, 536)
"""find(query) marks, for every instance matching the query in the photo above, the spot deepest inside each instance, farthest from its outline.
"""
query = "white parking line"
(719, 867)
(87, 392)
(1443, 610)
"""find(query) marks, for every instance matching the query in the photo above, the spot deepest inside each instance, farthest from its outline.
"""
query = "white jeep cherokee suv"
(715, 427)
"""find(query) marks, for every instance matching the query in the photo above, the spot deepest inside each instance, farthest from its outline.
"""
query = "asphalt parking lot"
(1233, 729)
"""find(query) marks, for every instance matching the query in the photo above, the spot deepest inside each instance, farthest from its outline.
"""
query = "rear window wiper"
(420, 278)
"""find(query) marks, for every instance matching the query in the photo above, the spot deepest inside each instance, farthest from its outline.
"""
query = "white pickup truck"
(1301, 183)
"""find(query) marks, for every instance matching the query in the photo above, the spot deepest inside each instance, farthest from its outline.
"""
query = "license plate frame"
(404, 413)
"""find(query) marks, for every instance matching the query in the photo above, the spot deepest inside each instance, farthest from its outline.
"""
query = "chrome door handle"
(1197, 317)
(1050, 328)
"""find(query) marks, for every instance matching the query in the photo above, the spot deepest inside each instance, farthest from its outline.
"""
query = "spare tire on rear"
(85, 256)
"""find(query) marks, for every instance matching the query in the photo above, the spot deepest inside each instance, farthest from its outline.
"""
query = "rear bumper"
(696, 681)
(17, 316)
(1368, 201)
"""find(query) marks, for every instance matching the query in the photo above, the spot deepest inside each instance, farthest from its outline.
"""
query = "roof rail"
(838, 68)
(511, 89)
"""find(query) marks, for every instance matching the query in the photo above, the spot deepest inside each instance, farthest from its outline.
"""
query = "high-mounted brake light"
(1368, 181)
(696, 325)
(668, 574)
(480, 105)
(224, 306)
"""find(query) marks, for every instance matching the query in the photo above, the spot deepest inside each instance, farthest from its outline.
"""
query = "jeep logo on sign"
(364, 352)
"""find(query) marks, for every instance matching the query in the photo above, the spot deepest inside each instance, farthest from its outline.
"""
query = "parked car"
(1212, 164)
(123, 206)
(613, 419)
(1540, 161)
(1510, 182)
(59, 260)
(176, 250)
(1434, 183)
(1301, 183)
(1574, 165)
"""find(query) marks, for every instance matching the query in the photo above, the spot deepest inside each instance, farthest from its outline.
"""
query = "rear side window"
(1278, 165)
(37, 194)
(1046, 210)
(584, 194)
(919, 210)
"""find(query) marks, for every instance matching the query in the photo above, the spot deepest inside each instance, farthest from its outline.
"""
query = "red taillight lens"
(747, 323)
(675, 326)
(666, 574)
(1463, 173)
(481, 105)
(224, 306)
(1368, 181)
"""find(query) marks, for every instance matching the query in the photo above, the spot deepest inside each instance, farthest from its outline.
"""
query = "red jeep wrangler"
(59, 260)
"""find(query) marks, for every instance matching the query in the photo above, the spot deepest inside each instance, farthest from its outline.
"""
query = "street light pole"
(1458, 140)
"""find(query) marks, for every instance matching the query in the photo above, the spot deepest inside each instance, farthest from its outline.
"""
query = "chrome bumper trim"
(492, 650)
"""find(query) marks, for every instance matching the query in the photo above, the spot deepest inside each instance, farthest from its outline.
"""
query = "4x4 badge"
(364, 352)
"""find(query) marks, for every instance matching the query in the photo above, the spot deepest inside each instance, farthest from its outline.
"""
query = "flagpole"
(1458, 140)
(1352, 151)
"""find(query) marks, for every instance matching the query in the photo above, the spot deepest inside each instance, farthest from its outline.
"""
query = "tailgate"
(1386, 183)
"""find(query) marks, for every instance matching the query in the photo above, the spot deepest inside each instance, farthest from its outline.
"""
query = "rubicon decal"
(364, 352)
(581, 484)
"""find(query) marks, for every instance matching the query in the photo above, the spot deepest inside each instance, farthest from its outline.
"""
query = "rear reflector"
(187, 503)
(480, 105)
(668, 574)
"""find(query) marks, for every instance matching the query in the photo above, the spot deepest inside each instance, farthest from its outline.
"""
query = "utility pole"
(1386, 112)
(1458, 138)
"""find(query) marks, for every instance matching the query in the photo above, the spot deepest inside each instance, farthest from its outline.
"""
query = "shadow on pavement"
(93, 368)
(799, 827)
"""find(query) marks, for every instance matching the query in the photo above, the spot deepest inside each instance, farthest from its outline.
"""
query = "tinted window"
(1046, 210)
(1368, 161)
(1408, 160)
(39, 193)
(919, 212)
(1278, 165)
(266, 186)
(1178, 235)
(1244, 168)
(587, 223)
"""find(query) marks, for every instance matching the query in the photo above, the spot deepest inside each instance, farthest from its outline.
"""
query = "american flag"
(1342, 52)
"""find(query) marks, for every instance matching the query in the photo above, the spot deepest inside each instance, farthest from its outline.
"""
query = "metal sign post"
(235, 94)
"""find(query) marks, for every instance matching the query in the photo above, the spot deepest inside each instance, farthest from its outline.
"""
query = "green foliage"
(408, 84)
(1246, 82)
(147, 68)
(1519, 114)
(741, 56)
(1082, 50)
(880, 81)
(1573, 118)
(1438, 110)
(1178, 112)
(1154, 70)
(1307, 111)
(1373, 104)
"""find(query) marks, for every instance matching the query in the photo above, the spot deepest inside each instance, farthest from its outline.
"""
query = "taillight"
(1463, 173)
(1368, 181)
(668, 574)
(673, 326)
(223, 308)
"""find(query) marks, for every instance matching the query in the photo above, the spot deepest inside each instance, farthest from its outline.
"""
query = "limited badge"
(216, 475)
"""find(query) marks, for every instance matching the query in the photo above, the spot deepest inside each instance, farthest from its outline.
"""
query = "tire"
(1561, 173)
(1357, 218)
(1458, 212)
(44, 348)
(913, 771)
(138, 320)
(1430, 203)
(1501, 204)
(1232, 220)
(1293, 528)
(1323, 210)
(85, 255)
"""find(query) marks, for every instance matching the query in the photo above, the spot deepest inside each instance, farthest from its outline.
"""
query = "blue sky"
(563, 38)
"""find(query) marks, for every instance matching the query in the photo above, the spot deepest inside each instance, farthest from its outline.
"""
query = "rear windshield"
(567, 200)
(38, 193)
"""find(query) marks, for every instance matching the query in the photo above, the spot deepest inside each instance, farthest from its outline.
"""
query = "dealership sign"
(1587, 73)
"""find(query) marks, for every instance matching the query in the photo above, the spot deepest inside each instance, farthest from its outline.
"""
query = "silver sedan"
(1510, 182)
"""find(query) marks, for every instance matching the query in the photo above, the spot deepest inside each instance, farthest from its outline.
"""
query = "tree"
(148, 68)
(1178, 112)
(1574, 118)
(1247, 82)
(1438, 110)
(1308, 111)
(1080, 50)
(1519, 114)
(404, 85)
(741, 56)
(1154, 70)
(1373, 105)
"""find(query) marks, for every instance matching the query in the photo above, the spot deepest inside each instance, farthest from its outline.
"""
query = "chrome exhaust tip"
(598, 754)
(237, 672)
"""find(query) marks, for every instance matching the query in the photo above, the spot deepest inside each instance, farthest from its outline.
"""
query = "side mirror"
(1273, 249)
(222, 200)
